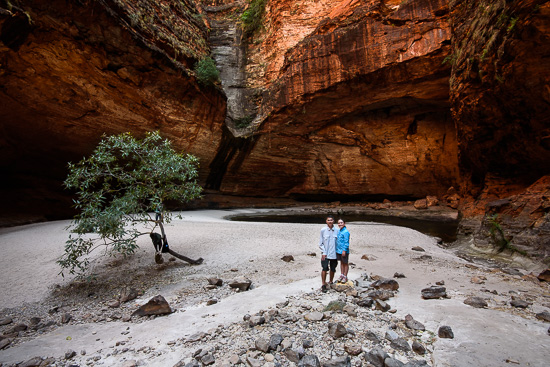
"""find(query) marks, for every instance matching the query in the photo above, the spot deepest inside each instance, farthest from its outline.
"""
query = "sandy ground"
(497, 336)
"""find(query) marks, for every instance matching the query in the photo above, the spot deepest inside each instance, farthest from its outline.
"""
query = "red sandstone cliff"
(81, 69)
(348, 99)
(358, 105)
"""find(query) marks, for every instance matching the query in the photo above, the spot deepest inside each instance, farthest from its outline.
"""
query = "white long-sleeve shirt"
(327, 242)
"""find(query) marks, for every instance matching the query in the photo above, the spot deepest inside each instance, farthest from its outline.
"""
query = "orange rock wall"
(357, 107)
(80, 74)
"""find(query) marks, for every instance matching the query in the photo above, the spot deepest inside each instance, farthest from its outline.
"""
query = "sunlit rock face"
(355, 102)
(80, 70)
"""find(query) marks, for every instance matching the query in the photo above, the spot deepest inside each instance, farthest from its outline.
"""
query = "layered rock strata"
(79, 70)
(357, 108)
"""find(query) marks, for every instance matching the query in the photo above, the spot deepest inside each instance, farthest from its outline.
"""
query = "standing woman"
(342, 250)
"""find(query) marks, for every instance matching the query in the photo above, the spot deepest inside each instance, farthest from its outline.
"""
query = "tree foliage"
(206, 71)
(120, 190)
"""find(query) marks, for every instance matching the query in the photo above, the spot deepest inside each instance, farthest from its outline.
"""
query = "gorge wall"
(72, 71)
(328, 100)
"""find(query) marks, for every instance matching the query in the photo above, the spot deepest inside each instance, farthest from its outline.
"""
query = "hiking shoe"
(324, 288)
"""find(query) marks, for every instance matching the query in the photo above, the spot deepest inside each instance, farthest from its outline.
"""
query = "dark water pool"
(444, 229)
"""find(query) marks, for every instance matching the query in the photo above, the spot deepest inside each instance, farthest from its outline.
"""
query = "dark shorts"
(343, 259)
(332, 262)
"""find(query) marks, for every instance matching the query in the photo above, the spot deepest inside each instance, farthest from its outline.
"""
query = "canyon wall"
(72, 71)
(329, 100)
(500, 98)
(353, 103)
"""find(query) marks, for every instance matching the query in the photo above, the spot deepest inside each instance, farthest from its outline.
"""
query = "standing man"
(327, 244)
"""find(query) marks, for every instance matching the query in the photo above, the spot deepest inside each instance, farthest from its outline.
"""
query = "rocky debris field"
(351, 325)
(412, 302)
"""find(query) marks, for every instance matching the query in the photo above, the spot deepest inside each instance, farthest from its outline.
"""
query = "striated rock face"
(357, 108)
(500, 92)
(77, 72)
(501, 106)
(328, 100)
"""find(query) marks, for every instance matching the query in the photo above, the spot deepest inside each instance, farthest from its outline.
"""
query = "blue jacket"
(342, 241)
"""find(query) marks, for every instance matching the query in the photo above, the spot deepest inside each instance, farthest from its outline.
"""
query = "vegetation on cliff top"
(252, 17)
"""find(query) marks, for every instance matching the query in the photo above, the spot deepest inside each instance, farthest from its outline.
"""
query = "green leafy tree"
(121, 193)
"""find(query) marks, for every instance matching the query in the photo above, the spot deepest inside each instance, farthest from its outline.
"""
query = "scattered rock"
(275, 341)
(114, 304)
(445, 332)
(372, 337)
(309, 361)
(441, 282)
(418, 248)
(241, 283)
(381, 305)
(215, 281)
(343, 361)
(70, 354)
(400, 344)
(476, 302)
(434, 292)
(432, 200)
(314, 316)
(307, 343)
(425, 257)
(391, 335)
(33, 362)
(343, 287)
(544, 316)
(287, 258)
(234, 359)
(365, 257)
(386, 283)
(208, 359)
(353, 349)
(337, 330)
(350, 310)
(312, 254)
(383, 295)
(365, 302)
(262, 344)
(421, 204)
(376, 357)
(128, 294)
(5, 321)
(519, 303)
(156, 306)
(66, 318)
(418, 348)
(399, 275)
(392, 362)
(256, 320)
(293, 355)
(211, 302)
(411, 323)
(544, 276)
(5, 342)
(478, 280)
